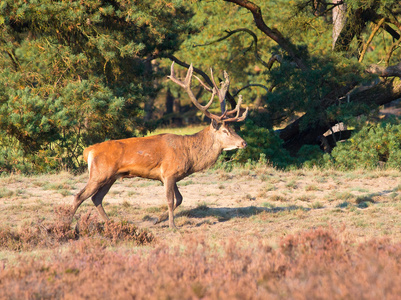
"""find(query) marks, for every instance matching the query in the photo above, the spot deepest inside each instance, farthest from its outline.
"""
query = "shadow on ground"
(226, 213)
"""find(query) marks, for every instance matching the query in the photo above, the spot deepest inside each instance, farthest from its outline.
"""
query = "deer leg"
(178, 201)
(98, 198)
(178, 196)
(90, 189)
(169, 186)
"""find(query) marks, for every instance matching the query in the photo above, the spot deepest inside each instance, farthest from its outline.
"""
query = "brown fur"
(165, 157)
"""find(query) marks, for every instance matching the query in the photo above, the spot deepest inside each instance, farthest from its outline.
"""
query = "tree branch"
(391, 71)
(274, 58)
(251, 85)
(230, 33)
(274, 34)
(374, 31)
(394, 46)
(14, 60)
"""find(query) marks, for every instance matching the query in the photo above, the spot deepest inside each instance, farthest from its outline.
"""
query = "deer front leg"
(178, 196)
(178, 201)
(169, 186)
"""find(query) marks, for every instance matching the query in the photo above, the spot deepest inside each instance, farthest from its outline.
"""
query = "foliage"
(373, 145)
(297, 21)
(310, 155)
(306, 89)
(77, 73)
(317, 90)
(235, 54)
(263, 143)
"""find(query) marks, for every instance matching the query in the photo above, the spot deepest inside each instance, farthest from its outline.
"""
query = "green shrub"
(264, 145)
(14, 159)
(372, 146)
(310, 155)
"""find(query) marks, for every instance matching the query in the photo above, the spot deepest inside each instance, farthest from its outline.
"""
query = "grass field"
(251, 233)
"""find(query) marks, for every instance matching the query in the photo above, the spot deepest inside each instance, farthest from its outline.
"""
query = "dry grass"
(247, 234)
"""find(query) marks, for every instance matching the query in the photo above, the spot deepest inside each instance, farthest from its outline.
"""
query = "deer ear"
(215, 125)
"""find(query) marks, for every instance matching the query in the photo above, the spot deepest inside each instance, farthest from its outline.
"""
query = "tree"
(74, 73)
(311, 78)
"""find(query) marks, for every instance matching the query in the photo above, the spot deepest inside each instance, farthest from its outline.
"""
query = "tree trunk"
(339, 19)
(169, 102)
(149, 104)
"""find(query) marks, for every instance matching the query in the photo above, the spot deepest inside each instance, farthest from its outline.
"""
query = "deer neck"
(204, 149)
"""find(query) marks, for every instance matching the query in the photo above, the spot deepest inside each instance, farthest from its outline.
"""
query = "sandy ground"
(260, 201)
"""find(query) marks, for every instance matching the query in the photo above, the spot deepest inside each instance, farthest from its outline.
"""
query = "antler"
(186, 84)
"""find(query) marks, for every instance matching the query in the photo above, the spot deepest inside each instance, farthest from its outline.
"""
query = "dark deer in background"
(165, 157)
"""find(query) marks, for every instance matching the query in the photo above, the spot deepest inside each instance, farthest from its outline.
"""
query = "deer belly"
(141, 168)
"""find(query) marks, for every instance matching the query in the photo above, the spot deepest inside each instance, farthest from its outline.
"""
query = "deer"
(165, 157)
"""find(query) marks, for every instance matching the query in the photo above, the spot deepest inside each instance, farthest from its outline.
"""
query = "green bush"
(310, 155)
(369, 148)
(263, 145)
(14, 159)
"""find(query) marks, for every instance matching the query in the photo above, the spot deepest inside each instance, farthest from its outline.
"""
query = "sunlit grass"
(179, 130)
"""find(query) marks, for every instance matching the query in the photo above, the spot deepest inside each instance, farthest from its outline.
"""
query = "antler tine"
(188, 78)
(223, 90)
(173, 78)
(224, 86)
(204, 85)
(236, 109)
(237, 118)
(187, 86)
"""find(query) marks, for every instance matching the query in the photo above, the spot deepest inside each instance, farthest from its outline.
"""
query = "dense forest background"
(73, 73)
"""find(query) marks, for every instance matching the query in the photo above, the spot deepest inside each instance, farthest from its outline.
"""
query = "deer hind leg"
(97, 199)
(90, 189)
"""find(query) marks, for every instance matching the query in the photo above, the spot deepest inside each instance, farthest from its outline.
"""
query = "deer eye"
(225, 131)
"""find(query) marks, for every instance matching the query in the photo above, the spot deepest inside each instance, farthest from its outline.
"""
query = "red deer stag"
(165, 157)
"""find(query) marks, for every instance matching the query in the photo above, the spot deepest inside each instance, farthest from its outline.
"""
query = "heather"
(250, 232)
(313, 264)
(41, 234)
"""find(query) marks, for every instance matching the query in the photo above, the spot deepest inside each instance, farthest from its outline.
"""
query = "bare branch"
(268, 90)
(374, 31)
(274, 34)
(14, 60)
(391, 71)
(274, 58)
(394, 46)
(230, 33)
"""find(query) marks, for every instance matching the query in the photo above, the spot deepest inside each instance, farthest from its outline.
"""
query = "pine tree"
(73, 73)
